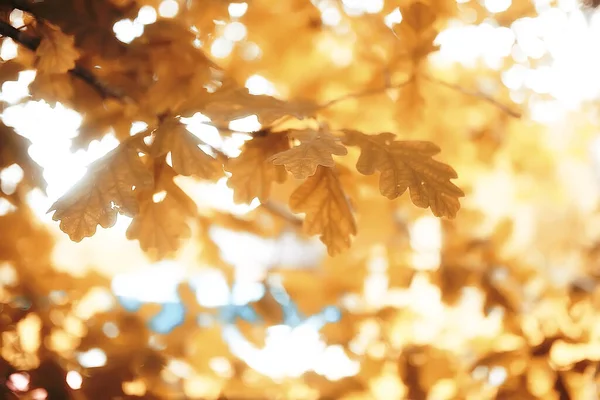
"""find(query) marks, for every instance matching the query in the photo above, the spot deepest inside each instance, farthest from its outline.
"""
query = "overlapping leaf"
(408, 165)
(106, 189)
(315, 148)
(251, 172)
(328, 213)
(161, 224)
(188, 159)
(14, 150)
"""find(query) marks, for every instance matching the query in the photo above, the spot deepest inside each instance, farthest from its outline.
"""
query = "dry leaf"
(188, 159)
(160, 226)
(106, 189)
(408, 165)
(315, 148)
(232, 102)
(251, 172)
(56, 53)
(327, 209)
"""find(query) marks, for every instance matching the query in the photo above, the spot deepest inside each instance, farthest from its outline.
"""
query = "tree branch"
(32, 43)
(475, 93)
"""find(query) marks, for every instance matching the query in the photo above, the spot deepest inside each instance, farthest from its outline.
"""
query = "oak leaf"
(232, 102)
(251, 172)
(327, 209)
(106, 189)
(56, 53)
(315, 148)
(408, 165)
(188, 159)
(162, 222)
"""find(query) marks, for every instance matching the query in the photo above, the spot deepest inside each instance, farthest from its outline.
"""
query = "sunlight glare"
(146, 15)
(258, 85)
(127, 30)
(74, 380)
(93, 358)
(235, 31)
(168, 8)
(237, 10)
(8, 50)
(221, 47)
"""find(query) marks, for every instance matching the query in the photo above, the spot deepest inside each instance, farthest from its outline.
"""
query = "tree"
(359, 127)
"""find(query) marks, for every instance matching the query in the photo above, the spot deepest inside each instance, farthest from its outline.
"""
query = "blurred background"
(501, 302)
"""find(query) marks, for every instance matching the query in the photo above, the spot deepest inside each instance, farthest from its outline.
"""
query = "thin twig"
(475, 93)
(278, 211)
(365, 93)
(32, 43)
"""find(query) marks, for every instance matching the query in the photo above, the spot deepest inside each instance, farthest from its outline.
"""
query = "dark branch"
(32, 43)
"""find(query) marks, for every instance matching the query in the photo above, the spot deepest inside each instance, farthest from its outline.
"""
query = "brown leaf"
(232, 102)
(327, 209)
(315, 148)
(251, 172)
(161, 224)
(187, 158)
(56, 53)
(159, 227)
(52, 87)
(408, 165)
(106, 189)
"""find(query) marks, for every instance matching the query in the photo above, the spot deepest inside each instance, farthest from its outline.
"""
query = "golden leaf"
(106, 189)
(251, 173)
(14, 150)
(56, 53)
(232, 102)
(408, 165)
(315, 148)
(161, 223)
(159, 226)
(327, 209)
(186, 156)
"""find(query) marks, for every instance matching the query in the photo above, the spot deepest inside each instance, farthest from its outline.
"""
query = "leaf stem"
(474, 93)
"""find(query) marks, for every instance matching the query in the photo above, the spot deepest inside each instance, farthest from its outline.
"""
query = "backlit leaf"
(188, 159)
(328, 213)
(315, 148)
(408, 165)
(106, 189)
(251, 172)
(56, 53)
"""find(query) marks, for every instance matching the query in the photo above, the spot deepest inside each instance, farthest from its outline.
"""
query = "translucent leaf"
(56, 53)
(408, 165)
(327, 209)
(251, 172)
(106, 189)
(315, 148)
(186, 156)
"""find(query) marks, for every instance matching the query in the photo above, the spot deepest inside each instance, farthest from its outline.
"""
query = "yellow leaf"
(327, 209)
(408, 165)
(186, 156)
(251, 173)
(56, 53)
(106, 189)
(232, 102)
(315, 148)
(160, 226)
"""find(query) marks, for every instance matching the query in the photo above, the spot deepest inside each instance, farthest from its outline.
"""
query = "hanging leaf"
(188, 159)
(251, 172)
(327, 209)
(106, 189)
(315, 148)
(408, 165)
(56, 53)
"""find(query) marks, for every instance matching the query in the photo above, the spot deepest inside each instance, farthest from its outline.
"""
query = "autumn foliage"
(359, 146)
